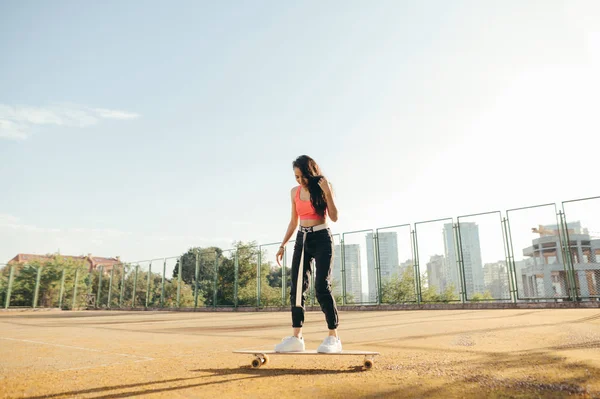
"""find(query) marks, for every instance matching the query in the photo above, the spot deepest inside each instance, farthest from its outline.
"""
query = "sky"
(140, 129)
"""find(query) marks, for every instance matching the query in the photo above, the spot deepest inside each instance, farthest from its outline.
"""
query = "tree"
(206, 261)
(431, 294)
(207, 265)
(186, 291)
(247, 256)
(486, 296)
(271, 284)
(337, 292)
(186, 296)
(275, 276)
(51, 270)
(399, 289)
(214, 260)
(269, 296)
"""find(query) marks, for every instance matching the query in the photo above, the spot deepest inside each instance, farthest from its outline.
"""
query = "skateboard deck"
(261, 357)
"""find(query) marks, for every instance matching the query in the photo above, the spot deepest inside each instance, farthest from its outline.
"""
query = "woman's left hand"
(324, 184)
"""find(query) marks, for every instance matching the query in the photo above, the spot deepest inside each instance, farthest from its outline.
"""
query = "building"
(436, 273)
(471, 255)
(388, 261)
(93, 262)
(336, 273)
(352, 268)
(542, 273)
(495, 279)
(409, 263)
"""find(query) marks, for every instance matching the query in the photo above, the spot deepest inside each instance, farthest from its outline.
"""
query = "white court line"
(144, 358)
(103, 365)
(77, 347)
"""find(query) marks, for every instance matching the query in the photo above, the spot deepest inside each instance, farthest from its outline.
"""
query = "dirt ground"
(542, 353)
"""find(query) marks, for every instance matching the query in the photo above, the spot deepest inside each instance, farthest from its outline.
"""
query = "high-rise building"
(471, 255)
(409, 263)
(352, 267)
(436, 272)
(388, 260)
(336, 274)
(495, 278)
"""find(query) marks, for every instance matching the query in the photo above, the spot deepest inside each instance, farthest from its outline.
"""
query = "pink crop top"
(305, 209)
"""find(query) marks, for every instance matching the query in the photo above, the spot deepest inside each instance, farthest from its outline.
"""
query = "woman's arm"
(331, 208)
(293, 220)
(290, 230)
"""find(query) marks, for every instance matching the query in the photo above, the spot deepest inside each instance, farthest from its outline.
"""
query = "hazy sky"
(143, 128)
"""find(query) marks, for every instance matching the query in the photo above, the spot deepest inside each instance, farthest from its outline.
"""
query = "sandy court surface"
(541, 353)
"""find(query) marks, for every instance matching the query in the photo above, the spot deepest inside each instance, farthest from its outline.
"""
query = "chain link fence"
(536, 253)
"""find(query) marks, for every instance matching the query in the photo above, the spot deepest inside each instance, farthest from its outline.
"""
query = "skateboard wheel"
(265, 359)
(368, 364)
(256, 363)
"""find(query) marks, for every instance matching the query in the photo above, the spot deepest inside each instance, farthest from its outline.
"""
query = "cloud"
(190, 238)
(16, 121)
(4, 218)
(11, 130)
(112, 114)
(14, 223)
(24, 236)
(107, 233)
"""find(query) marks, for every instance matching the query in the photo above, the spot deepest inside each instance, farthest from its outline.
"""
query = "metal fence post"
(135, 277)
(196, 276)
(510, 261)
(568, 257)
(416, 266)
(98, 295)
(343, 270)
(74, 302)
(62, 289)
(236, 271)
(513, 265)
(284, 277)
(9, 288)
(162, 288)
(216, 279)
(377, 267)
(37, 287)
(122, 287)
(460, 262)
(148, 284)
(258, 265)
(179, 281)
(108, 302)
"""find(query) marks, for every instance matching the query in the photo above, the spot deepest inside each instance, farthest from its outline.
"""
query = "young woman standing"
(312, 202)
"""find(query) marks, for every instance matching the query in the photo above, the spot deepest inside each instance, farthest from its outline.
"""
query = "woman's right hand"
(279, 255)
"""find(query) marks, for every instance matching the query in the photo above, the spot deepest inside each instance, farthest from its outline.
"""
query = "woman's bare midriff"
(311, 222)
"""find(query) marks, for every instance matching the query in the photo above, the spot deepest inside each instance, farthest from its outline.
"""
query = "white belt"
(313, 228)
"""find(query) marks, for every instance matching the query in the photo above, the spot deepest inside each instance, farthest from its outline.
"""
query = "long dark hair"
(310, 171)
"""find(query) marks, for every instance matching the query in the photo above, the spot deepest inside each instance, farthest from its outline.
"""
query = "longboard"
(261, 356)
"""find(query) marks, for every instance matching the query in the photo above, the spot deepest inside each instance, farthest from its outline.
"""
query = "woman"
(312, 202)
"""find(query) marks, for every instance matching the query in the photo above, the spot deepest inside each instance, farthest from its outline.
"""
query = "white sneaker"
(330, 344)
(290, 344)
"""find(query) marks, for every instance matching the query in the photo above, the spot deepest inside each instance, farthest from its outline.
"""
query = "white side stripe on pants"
(300, 277)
